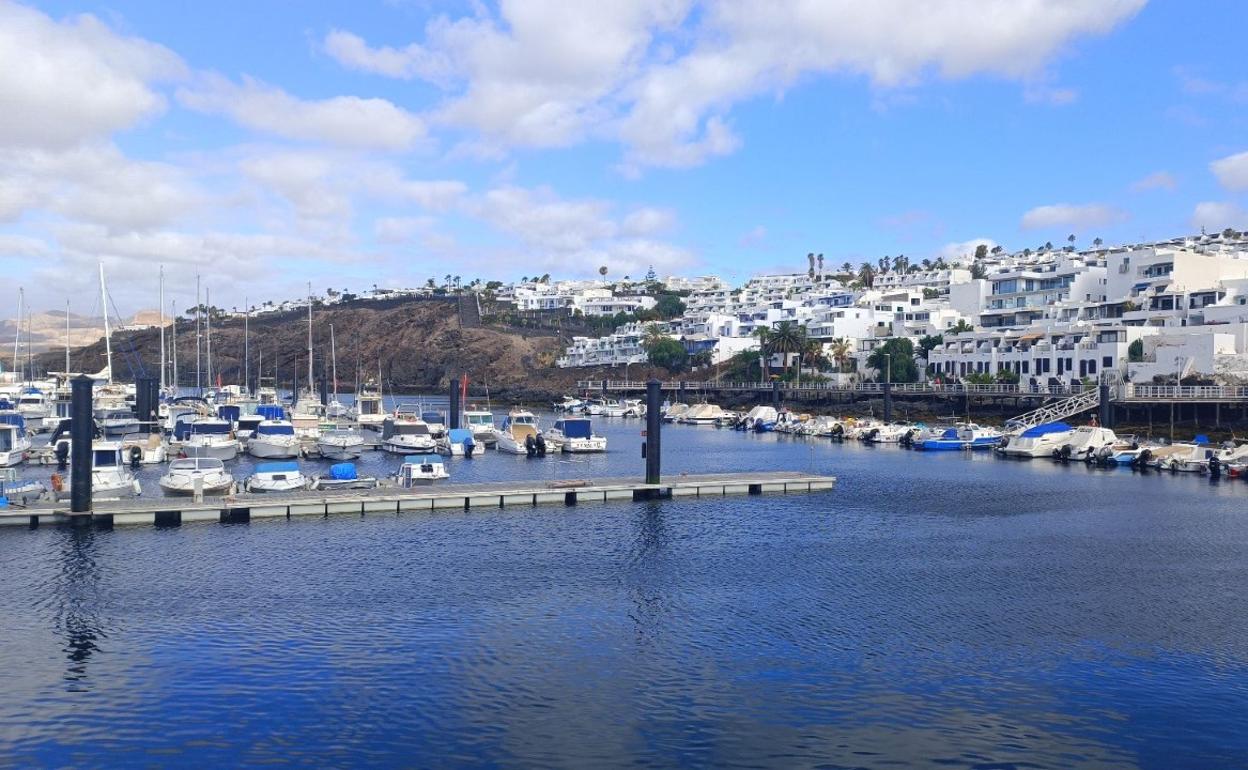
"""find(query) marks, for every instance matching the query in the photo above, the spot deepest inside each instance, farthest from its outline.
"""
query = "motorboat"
(1159, 457)
(210, 437)
(633, 407)
(110, 477)
(481, 423)
(340, 444)
(368, 411)
(519, 435)
(144, 449)
(949, 439)
(979, 437)
(1084, 442)
(436, 422)
(576, 435)
(37, 408)
(14, 443)
(342, 476)
(19, 491)
(1037, 441)
(887, 433)
(702, 414)
(276, 477)
(458, 442)
(408, 433)
(197, 475)
(246, 426)
(569, 404)
(673, 412)
(1195, 458)
(420, 470)
(274, 440)
(117, 422)
(760, 419)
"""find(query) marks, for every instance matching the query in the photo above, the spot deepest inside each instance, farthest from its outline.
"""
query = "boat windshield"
(369, 405)
(276, 430)
(213, 427)
(479, 419)
(37, 400)
(523, 419)
(411, 429)
(105, 458)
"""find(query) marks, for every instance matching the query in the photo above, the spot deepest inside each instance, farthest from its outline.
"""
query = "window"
(1092, 366)
(1107, 362)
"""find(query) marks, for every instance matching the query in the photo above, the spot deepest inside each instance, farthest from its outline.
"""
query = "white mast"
(108, 343)
(311, 384)
(162, 328)
(247, 347)
(17, 334)
(333, 354)
(199, 381)
(208, 333)
(67, 340)
(174, 312)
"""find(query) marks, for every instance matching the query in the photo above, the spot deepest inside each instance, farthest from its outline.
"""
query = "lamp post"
(889, 362)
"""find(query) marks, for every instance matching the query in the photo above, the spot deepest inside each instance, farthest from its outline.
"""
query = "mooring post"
(153, 398)
(455, 408)
(146, 398)
(775, 394)
(654, 425)
(1107, 408)
(604, 388)
(80, 434)
(683, 388)
(888, 402)
(324, 383)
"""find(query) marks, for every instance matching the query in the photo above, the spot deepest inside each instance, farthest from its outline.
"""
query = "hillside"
(420, 346)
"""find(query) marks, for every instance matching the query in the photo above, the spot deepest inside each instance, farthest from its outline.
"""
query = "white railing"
(1060, 410)
(1191, 392)
(863, 387)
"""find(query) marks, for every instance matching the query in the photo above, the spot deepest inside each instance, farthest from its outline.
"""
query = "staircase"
(1059, 410)
(469, 311)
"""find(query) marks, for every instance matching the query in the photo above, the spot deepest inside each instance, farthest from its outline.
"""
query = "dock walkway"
(172, 511)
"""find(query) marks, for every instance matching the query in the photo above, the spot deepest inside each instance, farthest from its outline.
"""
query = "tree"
(652, 336)
(787, 339)
(1071, 240)
(847, 268)
(839, 349)
(603, 272)
(866, 274)
(813, 354)
(1097, 242)
(1027, 252)
(763, 334)
(930, 342)
(669, 306)
(895, 359)
(961, 326)
(1048, 245)
(981, 251)
(978, 271)
(1135, 351)
(669, 354)
(997, 249)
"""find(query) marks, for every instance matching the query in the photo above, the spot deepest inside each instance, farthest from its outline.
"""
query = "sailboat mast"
(208, 332)
(174, 312)
(162, 328)
(333, 354)
(247, 347)
(311, 384)
(30, 351)
(17, 334)
(67, 340)
(199, 381)
(108, 342)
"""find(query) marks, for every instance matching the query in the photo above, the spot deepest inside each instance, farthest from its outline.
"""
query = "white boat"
(519, 435)
(1084, 442)
(1193, 459)
(569, 404)
(760, 419)
(368, 412)
(276, 477)
(420, 470)
(246, 426)
(274, 440)
(342, 476)
(197, 474)
(436, 422)
(481, 423)
(14, 489)
(110, 478)
(14, 443)
(144, 449)
(458, 442)
(408, 434)
(210, 437)
(673, 412)
(887, 433)
(1037, 441)
(633, 407)
(117, 422)
(37, 408)
(340, 444)
(979, 437)
(576, 436)
(702, 414)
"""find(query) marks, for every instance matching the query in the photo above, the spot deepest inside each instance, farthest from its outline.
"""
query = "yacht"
(576, 435)
(246, 426)
(110, 478)
(1084, 442)
(210, 437)
(37, 408)
(519, 435)
(117, 421)
(276, 477)
(342, 476)
(14, 443)
(340, 444)
(420, 470)
(458, 442)
(206, 473)
(409, 434)
(274, 440)
(1037, 441)
(481, 423)
(368, 412)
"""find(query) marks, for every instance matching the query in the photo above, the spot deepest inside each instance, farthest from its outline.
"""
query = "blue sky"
(266, 144)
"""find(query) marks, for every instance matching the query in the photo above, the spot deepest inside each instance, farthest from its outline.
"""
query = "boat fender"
(1005, 441)
(58, 483)
(468, 450)
(1142, 458)
(136, 456)
(1063, 454)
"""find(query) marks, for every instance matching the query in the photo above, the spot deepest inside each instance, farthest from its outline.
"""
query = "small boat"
(19, 491)
(633, 407)
(702, 414)
(1037, 441)
(190, 475)
(519, 435)
(674, 412)
(979, 437)
(246, 426)
(342, 476)
(14, 443)
(408, 433)
(458, 442)
(888, 433)
(436, 423)
(37, 408)
(420, 470)
(760, 419)
(576, 436)
(1084, 442)
(569, 404)
(1194, 459)
(1159, 457)
(276, 477)
(117, 422)
(481, 423)
(949, 438)
(144, 449)
(110, 478)
(210, 437)
(340, 444)
(274, 440)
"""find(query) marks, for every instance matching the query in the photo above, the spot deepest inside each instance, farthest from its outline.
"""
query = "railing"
(1189, 392)
(823, 387)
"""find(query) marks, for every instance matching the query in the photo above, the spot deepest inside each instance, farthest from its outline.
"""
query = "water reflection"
(77, 618)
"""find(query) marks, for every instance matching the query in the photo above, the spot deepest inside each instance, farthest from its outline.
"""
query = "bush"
(669, 354)
(1135, 351)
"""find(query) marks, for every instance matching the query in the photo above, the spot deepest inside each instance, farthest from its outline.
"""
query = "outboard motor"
(541, 446)
(136, 456)
(907, 439)
(838, 432)
(1215, 468)
(469, 447)
(62, 454)
(871, 436)
(1063, 454)
(530, 446)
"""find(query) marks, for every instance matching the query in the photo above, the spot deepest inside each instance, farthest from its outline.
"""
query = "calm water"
(939, 609)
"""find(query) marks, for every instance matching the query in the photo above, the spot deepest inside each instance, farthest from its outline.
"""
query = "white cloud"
(647, 221)
(65, 82)
(1071, 215)
(1159, 180)
(1219, 215)
(347, 121)
(1232, 171)
(964, 251)
(394, 230)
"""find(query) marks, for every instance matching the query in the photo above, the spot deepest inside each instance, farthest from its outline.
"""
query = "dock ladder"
(1059, 410)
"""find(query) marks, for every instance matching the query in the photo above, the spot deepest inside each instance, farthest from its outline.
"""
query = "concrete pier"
(172, 511)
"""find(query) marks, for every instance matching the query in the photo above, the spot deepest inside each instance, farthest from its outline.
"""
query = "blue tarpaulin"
(277, 468)
(343, 472)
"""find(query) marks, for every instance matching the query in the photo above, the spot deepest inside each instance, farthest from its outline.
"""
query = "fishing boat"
(519, 435)
(210, 437)
(340, 444)
(1084, 442)
(14, 443)
(194, 475)
(110, 478)
(368, 411)
(887, 433)
(1037, 441)
(949, 439)
(481, 423)
(342, 476)
(979, 437)
(274, 440)
(408, 433)
(420, 470)
(576, 435)
(276, 477)
(458, 442)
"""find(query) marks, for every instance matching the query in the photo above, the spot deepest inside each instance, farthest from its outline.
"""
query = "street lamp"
(889, 361)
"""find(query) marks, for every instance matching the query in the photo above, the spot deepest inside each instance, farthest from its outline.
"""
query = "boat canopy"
(6, 440)
(14, 419)
(196, 464)
(435, 417)
(106, 458)
(277, 468)
(275, 429)
(210, 427)
(951, 433)
(422, 460)
(1200, 439)
(1046, 429)
(229, 412)
(343, 472)
(411, 429)
(460, 436)
(575, 428)
(271, 411)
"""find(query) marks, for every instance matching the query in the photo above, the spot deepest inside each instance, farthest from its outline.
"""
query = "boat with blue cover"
(458, 442)
(1037, 441)
(342, 476)
(576, 435)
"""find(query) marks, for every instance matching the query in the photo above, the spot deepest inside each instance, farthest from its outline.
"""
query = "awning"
(1031, 337)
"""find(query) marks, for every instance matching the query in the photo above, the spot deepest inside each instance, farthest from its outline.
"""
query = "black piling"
(455, 407)
(604, 388)
(324, 385)
(654, 425)
(684, 399)
(1107, 408)
(775, 394)
(146, 398)
(888, 402)
(80, 432)
(153, 398)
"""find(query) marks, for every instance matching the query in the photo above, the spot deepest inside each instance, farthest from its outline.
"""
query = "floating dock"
(174, 511)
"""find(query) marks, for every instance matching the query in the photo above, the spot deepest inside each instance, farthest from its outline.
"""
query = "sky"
(265, 144)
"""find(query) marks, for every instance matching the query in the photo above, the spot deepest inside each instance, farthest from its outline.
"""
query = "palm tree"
(927, 264)
(787, 338)
(866, 274)
(840, 349)
(652, 336)
(763, 333)
(1071, 240)
(819, 259)
(883, 264)
(847, 268)
(1097, 242)
(997, 249)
